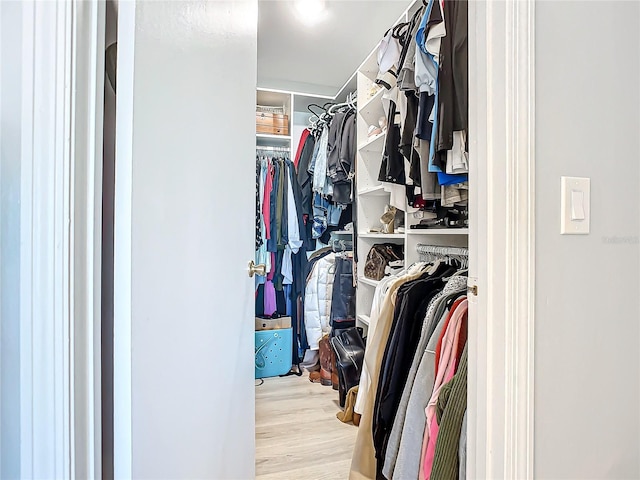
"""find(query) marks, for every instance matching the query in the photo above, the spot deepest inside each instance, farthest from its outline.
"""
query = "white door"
(184, 233)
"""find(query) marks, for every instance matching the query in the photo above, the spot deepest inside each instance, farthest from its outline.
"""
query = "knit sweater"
(452, 405)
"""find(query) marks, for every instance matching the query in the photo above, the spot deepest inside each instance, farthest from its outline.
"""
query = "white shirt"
(293, 227)
(320, 183)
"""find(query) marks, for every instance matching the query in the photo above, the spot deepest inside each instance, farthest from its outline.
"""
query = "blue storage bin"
(273, 352)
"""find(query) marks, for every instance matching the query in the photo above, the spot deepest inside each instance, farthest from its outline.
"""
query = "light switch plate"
(575, 208)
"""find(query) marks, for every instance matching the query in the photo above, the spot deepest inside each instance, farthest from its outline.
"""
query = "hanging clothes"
(449, 356)
(451, 414)
(421, 308)
(456, 286)
(283, 239)
(342, 155)
(363, 464)
(411, 305)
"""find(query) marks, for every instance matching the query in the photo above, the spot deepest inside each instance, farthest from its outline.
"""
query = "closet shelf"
(381, 235)
(369, 67)
(373, 144)
(377, 191)
(364, 319)
(376, 98)
(368, 281)
(266, 139)
(372, 110)
(439, 231)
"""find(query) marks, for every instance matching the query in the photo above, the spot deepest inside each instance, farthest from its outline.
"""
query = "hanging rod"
(272, 149)
(341, 245)
(430, 253)
(440, 250)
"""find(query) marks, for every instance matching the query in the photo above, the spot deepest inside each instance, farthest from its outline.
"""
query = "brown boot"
(314, 377)
(356, 419)
(325, 361)
(334, 370)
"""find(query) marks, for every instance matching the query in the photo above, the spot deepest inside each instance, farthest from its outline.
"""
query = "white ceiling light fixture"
(310, 12)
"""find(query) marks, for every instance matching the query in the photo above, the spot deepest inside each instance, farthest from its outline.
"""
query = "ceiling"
(319, 59)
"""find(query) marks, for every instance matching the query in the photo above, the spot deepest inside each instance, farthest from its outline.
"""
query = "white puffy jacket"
(317, 300)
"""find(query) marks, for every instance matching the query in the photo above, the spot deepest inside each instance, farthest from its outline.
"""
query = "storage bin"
(272, 323)
(273, 352)
(272, 123)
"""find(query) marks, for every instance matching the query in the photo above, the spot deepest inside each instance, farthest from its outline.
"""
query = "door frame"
(502, 107)
(60, 128)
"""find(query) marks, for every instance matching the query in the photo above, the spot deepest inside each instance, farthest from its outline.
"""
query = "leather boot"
(356, 419)
(325, 361)
(335, 383)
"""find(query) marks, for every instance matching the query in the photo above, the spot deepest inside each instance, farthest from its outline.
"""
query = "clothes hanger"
(317, 106)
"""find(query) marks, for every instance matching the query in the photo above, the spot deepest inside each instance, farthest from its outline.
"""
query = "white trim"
(122, 388)
(87, 50)
(45, 243)
(60, 131)
(292, 93)
(502, 245)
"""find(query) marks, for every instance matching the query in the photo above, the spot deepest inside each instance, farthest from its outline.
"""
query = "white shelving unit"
(275, 98)
(372, 197)
(368, 281)
(295, 106)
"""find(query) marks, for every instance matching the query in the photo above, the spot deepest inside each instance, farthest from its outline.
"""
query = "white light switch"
(577, 208)
(574, 204)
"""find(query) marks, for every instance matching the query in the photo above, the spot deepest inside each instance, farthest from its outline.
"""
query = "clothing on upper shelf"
(426, 145)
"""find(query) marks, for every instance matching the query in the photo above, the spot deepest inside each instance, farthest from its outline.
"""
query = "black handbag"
(349, 349)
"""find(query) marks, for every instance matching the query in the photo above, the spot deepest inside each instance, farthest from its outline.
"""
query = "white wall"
(10, 178)
(587, 364)
(185, 200)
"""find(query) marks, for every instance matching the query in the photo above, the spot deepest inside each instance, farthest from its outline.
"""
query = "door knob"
(260, 270)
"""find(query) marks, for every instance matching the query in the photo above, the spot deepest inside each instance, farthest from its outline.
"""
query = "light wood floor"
(298, 436)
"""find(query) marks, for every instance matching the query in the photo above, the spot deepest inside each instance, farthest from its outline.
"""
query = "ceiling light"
(310, 12)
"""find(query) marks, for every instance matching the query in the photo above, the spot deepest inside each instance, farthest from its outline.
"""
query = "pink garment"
(446, 370)
(266, 204)
(435, 427)
(270, 305)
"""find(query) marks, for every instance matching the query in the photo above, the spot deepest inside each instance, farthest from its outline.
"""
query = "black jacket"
(305, 179)
(453, 78)
(341, 155)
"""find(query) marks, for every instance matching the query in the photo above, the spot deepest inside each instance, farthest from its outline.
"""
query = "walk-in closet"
(362, 258)
(319, 239)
